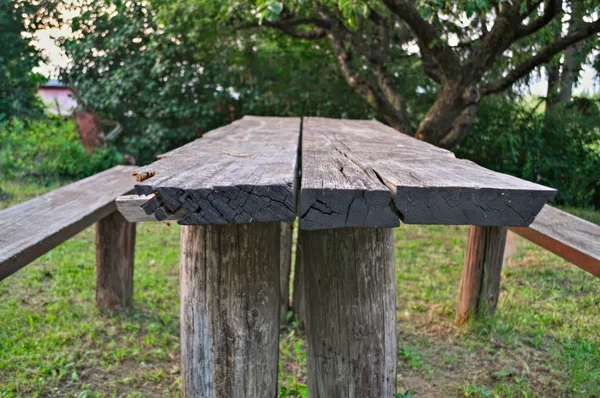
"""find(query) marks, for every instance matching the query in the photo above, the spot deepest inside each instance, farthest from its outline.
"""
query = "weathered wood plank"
(480, 283)
(350, 312)
(299, 293)
(32, 228)
(570, 237)
(131, 207)
(230, 310)
(363, 173)
(285, 258)
(115, 252)
(240, 173)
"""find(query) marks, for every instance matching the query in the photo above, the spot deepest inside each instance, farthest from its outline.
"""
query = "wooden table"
(232, 189)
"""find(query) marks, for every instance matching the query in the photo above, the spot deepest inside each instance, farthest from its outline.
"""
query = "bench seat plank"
(570, 237)
(32, 228)
(421, 184)
(239, 173)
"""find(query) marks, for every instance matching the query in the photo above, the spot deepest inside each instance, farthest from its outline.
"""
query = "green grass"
(543, 342)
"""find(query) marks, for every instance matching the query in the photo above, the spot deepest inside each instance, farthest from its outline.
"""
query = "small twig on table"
(238, 155)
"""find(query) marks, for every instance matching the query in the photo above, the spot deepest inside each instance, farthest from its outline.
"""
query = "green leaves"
(48, 148)
(18, 57)
(270, 10)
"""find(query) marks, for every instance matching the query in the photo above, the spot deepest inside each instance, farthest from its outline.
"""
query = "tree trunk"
(230, 310)
(287, 232)
(553, 72)
(572, 56)
(115, 249)
(351, 313)
(480, 284)
(450, 117)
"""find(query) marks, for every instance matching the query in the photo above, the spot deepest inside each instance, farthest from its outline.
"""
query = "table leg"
(480, 283)
(115, 251)
(287, 232)
(230, 310)
(350, 312)
(298, 301)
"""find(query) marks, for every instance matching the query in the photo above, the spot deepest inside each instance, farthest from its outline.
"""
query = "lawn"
(544, 341)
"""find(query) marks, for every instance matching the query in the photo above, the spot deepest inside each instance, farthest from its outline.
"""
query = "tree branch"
(393, 111)
(291, 27)
(425, 32)
(498, 39)
(545, 55)
(551, 11)
(431, 68)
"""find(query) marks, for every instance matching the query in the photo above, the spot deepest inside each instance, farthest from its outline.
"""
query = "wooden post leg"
(480, 284)
(287, 232)
(230, 310)
(350, 312)
(115, 247)
(298, 301)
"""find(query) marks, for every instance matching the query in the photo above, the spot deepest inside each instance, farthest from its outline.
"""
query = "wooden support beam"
(351, 313)
(230, 310)
(480, 284)
(115, 247)
(287, 235)
(298, 294)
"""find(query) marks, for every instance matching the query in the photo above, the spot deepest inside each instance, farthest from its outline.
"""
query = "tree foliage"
(468, 49)
(560, 149)
(18, 57)
(48, 148)
(168, 83)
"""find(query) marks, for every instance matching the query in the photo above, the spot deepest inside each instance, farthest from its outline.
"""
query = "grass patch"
(544, 340)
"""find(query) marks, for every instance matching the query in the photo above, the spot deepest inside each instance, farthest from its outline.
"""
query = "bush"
(48, 148)
(560, 150)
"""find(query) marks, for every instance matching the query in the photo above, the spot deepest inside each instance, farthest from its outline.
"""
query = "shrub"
(48, 148)
(560, 150)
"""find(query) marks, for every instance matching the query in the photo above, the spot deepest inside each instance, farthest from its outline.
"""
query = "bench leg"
(350, 312)
(230, 310)
(115, 247)
(287, 232)
(480, 283)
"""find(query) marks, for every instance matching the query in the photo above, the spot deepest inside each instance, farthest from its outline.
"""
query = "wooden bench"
(568, 236)
(232, 190)
(33, 228)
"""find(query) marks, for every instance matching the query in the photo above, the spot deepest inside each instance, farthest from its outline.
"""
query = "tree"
(18, 82)
(468, 49)
(167, 83)
(563, 71)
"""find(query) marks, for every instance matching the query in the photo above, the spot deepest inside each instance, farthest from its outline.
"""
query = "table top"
(362, 173)
(354, 173)
(239, 173)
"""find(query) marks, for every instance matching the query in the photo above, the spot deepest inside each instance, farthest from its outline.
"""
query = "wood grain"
(32, 228)
(480, 283)
(240, 173)
(230, 310)
(299, 293)
(570, 237)
(132, 208)
(115, 251)
(285, 257)
(351, 312)
(363, 173)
